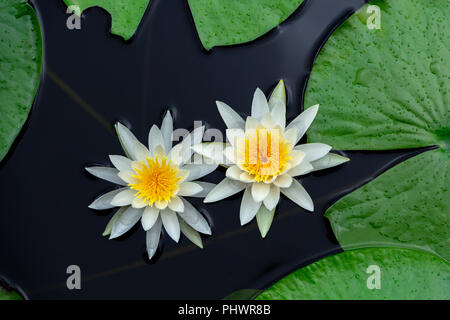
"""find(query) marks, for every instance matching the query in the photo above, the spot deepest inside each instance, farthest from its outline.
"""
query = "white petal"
(126, 221)
(272, 198)
(183, 175)
(283, 181)
(113, 220)
(298, 194)
(234, 172)
(183, 150)
(141, 152)
(329, 161)
(188, 189)
(120, 162)
(246, 178)
(291, 136)
(123, 198)
(176, 154)
(260, 190)
(176, 204)
(278, 95)
(234, 136)
(279, 114)
(155, 139)
(231, 155)
(268, 122)
(139, 203)
(159, 152)
(127, 140)
(224, 189)
(264, 218)
(106, 173)
(190, 233)
(161, 204)
(286, 168)
(297, 157)
(303, 121)
(249, 207)
(231, 118)
(197, 171)
(252, 124)
(211, 150)
(303, 168)
(167, 130)
(152, 238)
(207, 187)
(149, 217)
(127, 176)
(171, 225)
(194, 218)
(259, 105)
(314, 151)
(104, 201)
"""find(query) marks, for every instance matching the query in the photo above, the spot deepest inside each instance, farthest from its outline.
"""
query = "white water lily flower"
(263, 157)
(154, 182)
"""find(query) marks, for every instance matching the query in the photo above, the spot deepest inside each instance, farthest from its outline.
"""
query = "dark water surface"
(92, 79)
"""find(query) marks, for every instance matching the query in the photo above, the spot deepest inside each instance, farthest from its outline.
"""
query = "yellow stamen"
(157, 180)
(265, 154)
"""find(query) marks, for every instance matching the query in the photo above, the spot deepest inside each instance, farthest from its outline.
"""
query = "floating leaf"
(403, 274)
(229, 22)
(388, 89)
(408, 205)
(20, 67)
(385, 89)
(6, 294)
(125, 15)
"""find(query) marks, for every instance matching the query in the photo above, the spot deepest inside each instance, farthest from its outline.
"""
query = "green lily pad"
(9, 294)
(408, 205)
(229, 22)
(20, 67)
(125, 15)
(385, 89)
(388, 89)
(402, 273)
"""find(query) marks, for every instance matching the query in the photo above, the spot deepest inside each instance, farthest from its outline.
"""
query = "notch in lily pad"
(125, 15)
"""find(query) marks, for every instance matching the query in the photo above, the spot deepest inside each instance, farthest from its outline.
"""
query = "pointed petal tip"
(243, 223)
(150, 254)
(111, 237)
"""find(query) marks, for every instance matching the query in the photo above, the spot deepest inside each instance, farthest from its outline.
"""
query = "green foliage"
(229, 22)
(388, 89)
(126, 15)
(20, 67)
(404, 274)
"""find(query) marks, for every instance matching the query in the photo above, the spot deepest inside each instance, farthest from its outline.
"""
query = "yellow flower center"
(265, 154)
(157, 180)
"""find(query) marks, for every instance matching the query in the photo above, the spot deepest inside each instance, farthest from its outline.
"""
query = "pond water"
(90, 80)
